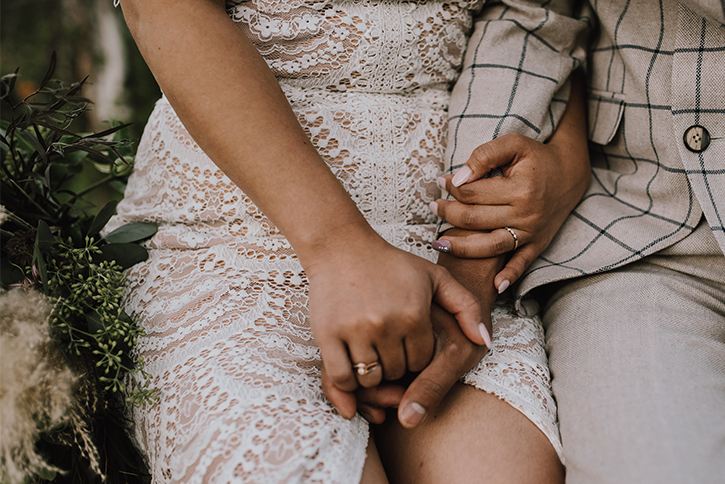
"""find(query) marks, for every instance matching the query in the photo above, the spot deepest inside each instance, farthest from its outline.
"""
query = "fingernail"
(441, 245)
(503, 286)
(442, 182)
(413, 414)
(433, 208)
(484, 334)
(461, 176)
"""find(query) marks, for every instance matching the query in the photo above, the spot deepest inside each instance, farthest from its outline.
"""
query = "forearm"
(569, 141)
(232, 105)
(477, 276)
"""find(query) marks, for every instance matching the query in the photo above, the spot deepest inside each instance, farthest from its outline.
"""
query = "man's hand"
(454, 355)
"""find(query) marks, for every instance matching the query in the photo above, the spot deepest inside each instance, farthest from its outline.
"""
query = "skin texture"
(540, 186)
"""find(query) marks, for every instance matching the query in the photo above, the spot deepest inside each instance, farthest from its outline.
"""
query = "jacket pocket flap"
(605, 114)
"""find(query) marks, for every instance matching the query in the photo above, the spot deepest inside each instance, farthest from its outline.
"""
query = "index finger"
(488, 156)
(451, 360)
(496, 190)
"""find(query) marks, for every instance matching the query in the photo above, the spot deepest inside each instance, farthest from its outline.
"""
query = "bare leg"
(473, 436)
(373, 472)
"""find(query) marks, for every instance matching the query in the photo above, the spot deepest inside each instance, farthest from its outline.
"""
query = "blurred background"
(91, 39)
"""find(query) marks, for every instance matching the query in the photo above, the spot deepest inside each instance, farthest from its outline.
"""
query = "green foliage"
(41, 155)
(51, 242)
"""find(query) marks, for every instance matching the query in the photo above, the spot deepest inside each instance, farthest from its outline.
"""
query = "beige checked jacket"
(655, 69)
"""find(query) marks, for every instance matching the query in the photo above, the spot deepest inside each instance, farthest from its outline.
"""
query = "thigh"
(637, 357)
(472, 437)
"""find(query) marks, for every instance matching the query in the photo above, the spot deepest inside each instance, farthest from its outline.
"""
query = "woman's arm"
(232, 105)
(368, 300)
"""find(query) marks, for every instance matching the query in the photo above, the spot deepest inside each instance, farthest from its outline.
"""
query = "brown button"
(696, 139)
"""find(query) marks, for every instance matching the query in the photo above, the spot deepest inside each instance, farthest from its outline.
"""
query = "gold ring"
(516, 237)
(363, 369)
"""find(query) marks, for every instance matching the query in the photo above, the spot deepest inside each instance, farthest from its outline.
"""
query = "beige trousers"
(637, 357)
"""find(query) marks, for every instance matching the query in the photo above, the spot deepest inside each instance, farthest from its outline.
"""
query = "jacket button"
(696, 138)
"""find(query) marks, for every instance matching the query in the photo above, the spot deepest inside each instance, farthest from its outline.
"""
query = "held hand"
(454, 355)
(371, 303)
(538, 190)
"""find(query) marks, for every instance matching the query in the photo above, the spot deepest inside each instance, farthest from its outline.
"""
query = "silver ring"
(516, 237)
(363, 369)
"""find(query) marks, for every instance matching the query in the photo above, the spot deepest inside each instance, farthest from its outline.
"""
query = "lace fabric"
(223, 297)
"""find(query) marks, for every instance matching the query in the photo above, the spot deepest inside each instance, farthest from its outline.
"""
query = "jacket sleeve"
(515, 73)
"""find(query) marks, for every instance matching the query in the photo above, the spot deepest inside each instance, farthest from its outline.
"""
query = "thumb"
(426, 392)
(489, 156)
(457, 300)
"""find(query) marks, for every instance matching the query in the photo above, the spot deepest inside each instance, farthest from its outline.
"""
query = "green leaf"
(125, 255)
(131, 232)
(118, 185)
(103, 134)
(7, 83)
(102, 218)
(51, 69)
(40, 261)
(46, 474)
(44, 240)
(93, 320)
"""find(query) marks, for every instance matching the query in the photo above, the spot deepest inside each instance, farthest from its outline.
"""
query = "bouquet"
(65, 341)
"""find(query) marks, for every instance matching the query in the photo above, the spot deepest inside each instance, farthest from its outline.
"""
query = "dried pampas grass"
(35, 383)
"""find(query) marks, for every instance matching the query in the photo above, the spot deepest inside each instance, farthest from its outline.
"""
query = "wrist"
(337, 243)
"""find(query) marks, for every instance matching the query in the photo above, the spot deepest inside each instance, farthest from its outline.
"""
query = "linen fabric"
(637, 356)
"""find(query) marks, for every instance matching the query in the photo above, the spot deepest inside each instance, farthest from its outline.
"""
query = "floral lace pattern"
(223, 297)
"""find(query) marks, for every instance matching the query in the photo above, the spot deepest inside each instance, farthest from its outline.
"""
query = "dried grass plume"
(35, 383)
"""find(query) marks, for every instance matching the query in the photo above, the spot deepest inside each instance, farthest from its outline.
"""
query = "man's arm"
(515, 74)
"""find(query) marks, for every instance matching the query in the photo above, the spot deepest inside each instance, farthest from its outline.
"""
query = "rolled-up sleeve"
(515, 73)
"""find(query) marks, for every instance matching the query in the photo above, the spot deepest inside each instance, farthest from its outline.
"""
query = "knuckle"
(480, 154)
(343, 380)
(453, 350)
(519, 140)
(501, 244)
(469, 218)
(465, 193)
(433, 390)
(462, 249)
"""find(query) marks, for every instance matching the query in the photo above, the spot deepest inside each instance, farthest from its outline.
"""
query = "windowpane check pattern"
(655, 69)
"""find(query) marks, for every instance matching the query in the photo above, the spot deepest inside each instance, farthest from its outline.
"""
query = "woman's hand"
(371, 303)
(540, 186)
(453, 356)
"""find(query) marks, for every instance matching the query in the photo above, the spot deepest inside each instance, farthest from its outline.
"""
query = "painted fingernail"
(503, 286)
(433, 208)
(441, 182)
(441, 245)
(461, 176)
(484, 334)
(412, 414)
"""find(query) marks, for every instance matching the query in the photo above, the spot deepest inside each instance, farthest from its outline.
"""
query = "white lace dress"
(223, 297)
